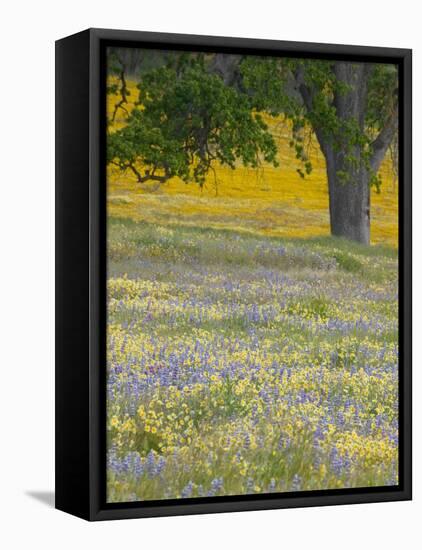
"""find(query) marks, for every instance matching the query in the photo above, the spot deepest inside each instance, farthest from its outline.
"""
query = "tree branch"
(382, 141)
(352, 101)
(227, 67)
(307, 95)
(149, 175)
(304, 90)
(123, 92)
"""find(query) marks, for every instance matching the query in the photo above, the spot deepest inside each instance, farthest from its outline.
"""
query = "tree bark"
(349, 198)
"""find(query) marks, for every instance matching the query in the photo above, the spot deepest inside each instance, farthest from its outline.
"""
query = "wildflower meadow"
(248, 350)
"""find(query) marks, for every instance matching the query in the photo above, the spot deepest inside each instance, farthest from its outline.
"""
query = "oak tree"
(198, 109)
(186, 118)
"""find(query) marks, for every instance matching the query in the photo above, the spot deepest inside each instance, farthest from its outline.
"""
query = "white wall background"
(27, 36)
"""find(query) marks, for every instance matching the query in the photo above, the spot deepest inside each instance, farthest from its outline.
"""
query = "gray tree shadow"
(45, 497)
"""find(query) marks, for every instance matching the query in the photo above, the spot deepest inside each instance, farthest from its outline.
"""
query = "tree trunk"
(349, 198)
(348, 176)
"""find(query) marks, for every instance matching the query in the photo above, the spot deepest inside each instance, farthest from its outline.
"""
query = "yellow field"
(269, 201)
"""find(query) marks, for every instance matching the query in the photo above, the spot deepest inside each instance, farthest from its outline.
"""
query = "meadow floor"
(240, 362)
(247, 351)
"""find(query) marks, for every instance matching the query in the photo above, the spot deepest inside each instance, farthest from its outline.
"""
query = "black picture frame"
(81, 280)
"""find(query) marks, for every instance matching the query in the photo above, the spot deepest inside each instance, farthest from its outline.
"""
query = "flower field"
(241, 363)
(248, 351)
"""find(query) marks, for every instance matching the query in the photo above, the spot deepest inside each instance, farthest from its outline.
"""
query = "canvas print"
(252, 274)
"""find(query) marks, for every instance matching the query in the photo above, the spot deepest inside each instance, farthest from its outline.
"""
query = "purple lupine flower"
(296, 483)
(336, 462)
(150, 464)
(187, 490)
(216, 486)
(138, 467)
(249, 485)
(160, 465)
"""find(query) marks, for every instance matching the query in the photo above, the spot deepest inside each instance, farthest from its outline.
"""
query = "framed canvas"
(233, 244)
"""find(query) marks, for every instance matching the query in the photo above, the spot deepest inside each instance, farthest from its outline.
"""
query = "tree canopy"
(351, 107)
(187, 118)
